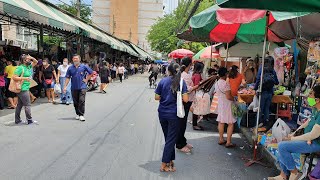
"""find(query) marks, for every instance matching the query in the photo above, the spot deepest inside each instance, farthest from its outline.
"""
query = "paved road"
(121, 139)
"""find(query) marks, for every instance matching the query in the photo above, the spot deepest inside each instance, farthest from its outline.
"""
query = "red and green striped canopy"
(228, 25)
(273, 5)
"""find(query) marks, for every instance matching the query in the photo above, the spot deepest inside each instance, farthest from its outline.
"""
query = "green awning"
(141, 51)
(37, 11)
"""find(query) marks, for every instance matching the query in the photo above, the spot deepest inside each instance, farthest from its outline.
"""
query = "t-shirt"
(235, 84)
(48, 72)
(26, 73)
(9, 70)
(315, 119)
(196, 79)
(121, 70)
(77, 75)
(168, 101)
(63, 70)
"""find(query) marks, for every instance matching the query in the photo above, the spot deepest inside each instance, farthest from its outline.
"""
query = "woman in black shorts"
(104, 73)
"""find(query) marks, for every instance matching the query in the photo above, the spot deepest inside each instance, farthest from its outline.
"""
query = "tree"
(162, 35)
(85, 10)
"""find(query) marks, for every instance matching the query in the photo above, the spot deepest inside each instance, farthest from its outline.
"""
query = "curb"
(262, 151)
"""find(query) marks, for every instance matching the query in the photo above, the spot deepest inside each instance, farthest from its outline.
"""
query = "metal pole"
(41, 41)
(262, 72)
(226, 61)
(211, 52)
(78, 5)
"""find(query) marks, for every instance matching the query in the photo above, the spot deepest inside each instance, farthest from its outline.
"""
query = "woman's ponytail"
(175, 71)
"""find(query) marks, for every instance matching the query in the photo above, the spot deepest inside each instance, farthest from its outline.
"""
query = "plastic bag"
(280, 130)
(315, 173)
(254, 104)
(180, 107)
(57, 88)
(201, 104)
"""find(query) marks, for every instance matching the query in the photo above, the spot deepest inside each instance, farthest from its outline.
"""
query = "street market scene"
(160, 89)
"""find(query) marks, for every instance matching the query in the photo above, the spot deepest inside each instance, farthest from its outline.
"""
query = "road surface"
(121, 140)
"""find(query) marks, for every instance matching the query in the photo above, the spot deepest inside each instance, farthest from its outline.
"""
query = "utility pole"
(78, 5)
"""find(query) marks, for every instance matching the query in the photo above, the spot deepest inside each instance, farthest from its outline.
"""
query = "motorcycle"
(92, 84)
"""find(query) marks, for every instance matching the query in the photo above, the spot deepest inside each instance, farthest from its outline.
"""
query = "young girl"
(166, 93)
(196, 79)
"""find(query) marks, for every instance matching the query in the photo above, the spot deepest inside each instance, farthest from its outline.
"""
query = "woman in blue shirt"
(166, 93)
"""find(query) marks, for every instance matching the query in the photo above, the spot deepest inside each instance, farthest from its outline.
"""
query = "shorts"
(104, 80)
(48, 86)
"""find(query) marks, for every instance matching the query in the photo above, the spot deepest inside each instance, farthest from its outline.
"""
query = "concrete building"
(170, 5)
(127, 19)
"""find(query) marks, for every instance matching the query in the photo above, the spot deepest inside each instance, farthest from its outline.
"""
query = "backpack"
(268, 81)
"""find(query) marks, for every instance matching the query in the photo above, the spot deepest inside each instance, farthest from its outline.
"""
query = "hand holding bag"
(15, 86)
(180, 108)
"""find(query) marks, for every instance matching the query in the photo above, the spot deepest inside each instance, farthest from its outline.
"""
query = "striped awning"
(48, 15)
(142, 53)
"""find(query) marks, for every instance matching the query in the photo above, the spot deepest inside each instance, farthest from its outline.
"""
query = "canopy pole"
(255, 150)
(226, 61)
(211, 52)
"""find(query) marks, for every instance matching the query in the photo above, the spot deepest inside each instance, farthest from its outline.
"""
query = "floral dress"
(224, 105)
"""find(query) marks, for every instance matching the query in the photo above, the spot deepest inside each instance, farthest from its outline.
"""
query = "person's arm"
(34, 61)
(59, 74)
(276, 80)
(17, 74)
(185, 96)
(304, 125)
(90, 71)
(157, 96)
(229, 96)
(314, 134)
(55, 75)
(256, 86)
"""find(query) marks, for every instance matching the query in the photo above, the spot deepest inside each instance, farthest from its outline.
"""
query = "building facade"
(127, 19)
(170, 5)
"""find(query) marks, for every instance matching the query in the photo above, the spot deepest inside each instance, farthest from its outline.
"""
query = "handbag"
(15, 86)
(33, 83)
(214, 104)
(48, 81)
(180, 107)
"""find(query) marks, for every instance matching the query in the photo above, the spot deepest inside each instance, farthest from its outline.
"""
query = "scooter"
(92, 84)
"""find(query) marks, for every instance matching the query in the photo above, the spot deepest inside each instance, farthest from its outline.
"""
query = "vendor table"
(277, 99)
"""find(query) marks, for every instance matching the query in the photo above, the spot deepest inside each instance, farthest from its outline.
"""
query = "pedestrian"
(104, 74)
(196, 79)
(235, 80)
(307, 143)
(166, 94)
(121, 72)
(269, 80)
(2, 89)
(37, 78)
(182, 144)
(12, 97)
(65, 98)
(113, 72)
(48, 77)
(225, 100)
(79, 75)
(154, 69)
(23, 73)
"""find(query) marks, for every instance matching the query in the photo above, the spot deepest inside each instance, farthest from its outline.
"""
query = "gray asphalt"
(121, 139)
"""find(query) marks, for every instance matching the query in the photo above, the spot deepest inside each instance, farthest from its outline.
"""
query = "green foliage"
(52, 40)
(85, 10)
(162, 36)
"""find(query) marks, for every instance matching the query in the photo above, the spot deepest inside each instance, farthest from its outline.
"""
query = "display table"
(277, 99)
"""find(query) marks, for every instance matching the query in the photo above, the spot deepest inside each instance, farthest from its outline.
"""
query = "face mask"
(28, 63)
(65, 63)
(311, 101)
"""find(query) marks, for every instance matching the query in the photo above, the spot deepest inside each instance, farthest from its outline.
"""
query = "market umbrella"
(180, 53)
(207, 53)
(237, 25)
(273, 5)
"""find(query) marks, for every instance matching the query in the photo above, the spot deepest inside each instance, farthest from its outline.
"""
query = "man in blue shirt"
(80, 75)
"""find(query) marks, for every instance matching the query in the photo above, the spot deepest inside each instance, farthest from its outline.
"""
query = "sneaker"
(82, 118)
(67, 103)
(33, 122)
(77, 117)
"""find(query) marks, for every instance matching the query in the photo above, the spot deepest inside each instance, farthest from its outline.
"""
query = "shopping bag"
(315, 173)
(57, 88)
(201, 104)
(180, 108)
(254, 104)
(280, 130)
(33, 83)
(15, 86)
(214, 104)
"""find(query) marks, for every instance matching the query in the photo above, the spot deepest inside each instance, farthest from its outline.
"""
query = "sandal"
(167, 169)
(231, 145)
(185, 150)
(189, 146)
(222, 143)
(10, 107)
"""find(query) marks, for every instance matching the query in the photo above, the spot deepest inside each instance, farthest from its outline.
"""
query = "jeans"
(65, 97)
(2, 88)
(155, 75)
(121, 76)
(181, 139)
(23, 100)
(285, 148)
(266, 98)
(169, 128)
(79, 101)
